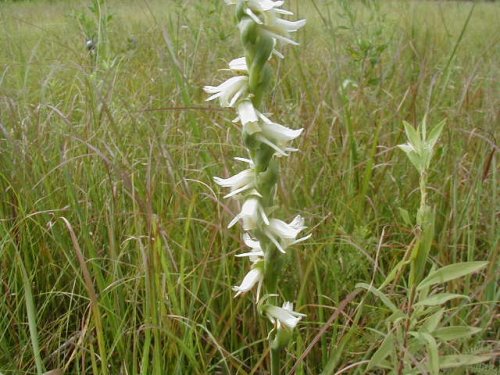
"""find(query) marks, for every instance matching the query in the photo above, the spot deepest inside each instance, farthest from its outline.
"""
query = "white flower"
(283, 316)
(230, 91)
(247, 113)
(245, 160)
(256, 253)
(259, 5)
(252, 278)
(238, 183)
(277, 136)
(265, 13)
(238, 65)
(270, 133)
(280, 29)
(284, 235)
(251, 214)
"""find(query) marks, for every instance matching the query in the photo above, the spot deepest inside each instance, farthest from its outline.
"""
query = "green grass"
(113, 248)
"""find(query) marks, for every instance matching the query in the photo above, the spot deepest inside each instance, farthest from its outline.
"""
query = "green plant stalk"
(258, 49)
(31, 311)
(419, 255)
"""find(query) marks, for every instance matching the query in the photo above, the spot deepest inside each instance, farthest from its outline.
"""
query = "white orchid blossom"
(230, 91)
(238, 65)
(284, 235)
(256, 253)
(259, 5)
(266, 131)
(247, 114)
(243, 181)
(254, 277)
(251, 214)
(265, 13)
(280, 29)
(277, 136)
(283, 316)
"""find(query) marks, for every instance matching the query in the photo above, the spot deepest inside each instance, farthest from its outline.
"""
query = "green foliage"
(128, 160)
(451, 272)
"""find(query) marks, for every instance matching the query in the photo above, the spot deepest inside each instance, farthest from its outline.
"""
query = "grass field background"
(113, 247)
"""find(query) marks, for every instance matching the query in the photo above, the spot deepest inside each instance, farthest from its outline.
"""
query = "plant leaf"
(460, 360)
(432, 349)
(435, 134)
(455, 332)
(431, 323)
(412, 135)
(385, 300)
(439, 299)
(393, 273)
(383, 351)
(405, 216)
(451, 272)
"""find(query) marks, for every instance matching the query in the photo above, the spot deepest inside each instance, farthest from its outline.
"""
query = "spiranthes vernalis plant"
(262, 29)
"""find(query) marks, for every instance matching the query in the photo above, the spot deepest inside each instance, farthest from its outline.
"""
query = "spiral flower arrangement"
(262, 30)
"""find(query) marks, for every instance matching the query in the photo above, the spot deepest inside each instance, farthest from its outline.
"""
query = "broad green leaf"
(415, 160)
(412, 135)
(432, 349)
(460, 360)
(435, 134)
(425, 218)
(394, 272)
(405, 216)
(439, 299)
(451, 272)
(423, 128)
(385, 300)
(383, 351)
(455, 332)
(432, 322)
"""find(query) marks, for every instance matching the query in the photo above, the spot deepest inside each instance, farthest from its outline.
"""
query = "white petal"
(224, 85)
(250, 242)
(281, 38)
(234, 221)
(278, 53)
(239, 64)
(245, 160)
(266, 141)
(250, 214)
(289, 26)
(284, 316)
(284, 230)
(246, 112)
(253, 16)
(238, 180)
(251, 254)
(275, 242)
(280, 133)
(249, 281)
(240, 190)
(288, 305)
(229, 91)
(298, 222)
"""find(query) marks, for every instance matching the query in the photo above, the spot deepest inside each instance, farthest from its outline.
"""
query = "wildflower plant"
(262, 29)
(417, 338)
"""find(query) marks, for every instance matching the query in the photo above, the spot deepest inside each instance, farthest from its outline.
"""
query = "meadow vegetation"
(114, 252)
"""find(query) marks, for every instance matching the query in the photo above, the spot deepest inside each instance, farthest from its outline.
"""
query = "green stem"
(275, 361)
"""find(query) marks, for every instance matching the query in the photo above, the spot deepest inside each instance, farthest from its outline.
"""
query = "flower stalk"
(262, 30)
